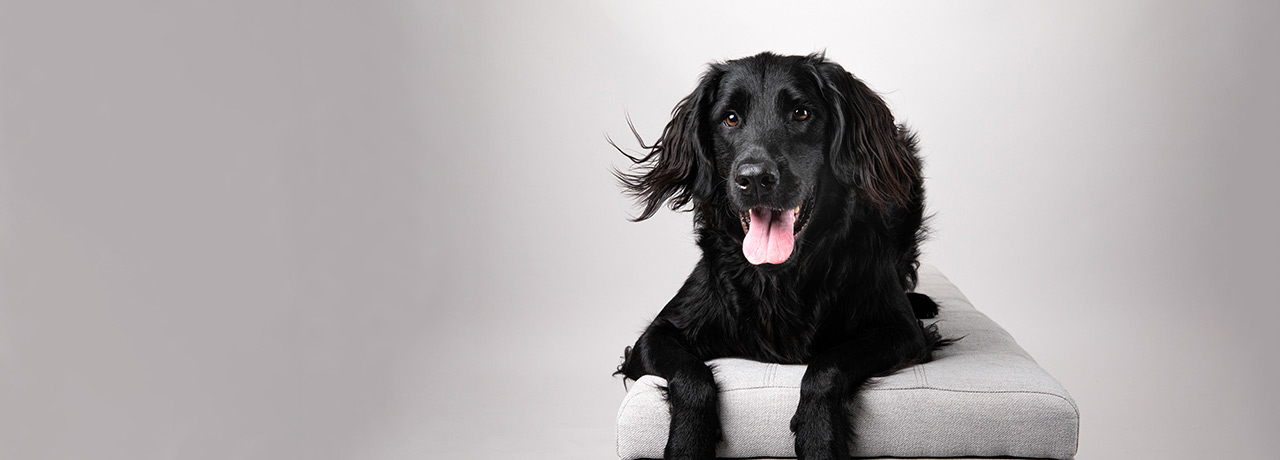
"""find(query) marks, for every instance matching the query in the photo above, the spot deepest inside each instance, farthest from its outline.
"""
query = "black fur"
(842, 302)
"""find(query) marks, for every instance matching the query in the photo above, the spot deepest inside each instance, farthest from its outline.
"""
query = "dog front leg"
(833, 379)
(691, 392)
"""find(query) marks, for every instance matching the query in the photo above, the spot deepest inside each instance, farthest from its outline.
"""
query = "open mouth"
(771, 233)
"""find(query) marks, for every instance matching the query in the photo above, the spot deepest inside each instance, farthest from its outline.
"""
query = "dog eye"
(731, 119)
(800, 114)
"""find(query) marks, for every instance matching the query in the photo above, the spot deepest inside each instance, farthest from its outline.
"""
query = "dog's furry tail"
(925, 308)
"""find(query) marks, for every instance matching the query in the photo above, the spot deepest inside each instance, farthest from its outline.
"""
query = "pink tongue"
(769, 239)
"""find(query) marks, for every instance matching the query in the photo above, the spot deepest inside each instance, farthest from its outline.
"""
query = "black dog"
(808, 203)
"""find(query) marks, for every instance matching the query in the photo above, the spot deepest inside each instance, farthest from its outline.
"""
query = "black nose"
(756, 177)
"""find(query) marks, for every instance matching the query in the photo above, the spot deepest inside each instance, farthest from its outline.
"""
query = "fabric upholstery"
(982, 396)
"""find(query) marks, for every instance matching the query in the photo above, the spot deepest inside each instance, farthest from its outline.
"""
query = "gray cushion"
(983, 396)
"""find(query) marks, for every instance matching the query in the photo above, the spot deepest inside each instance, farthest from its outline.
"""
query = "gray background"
(271, 229)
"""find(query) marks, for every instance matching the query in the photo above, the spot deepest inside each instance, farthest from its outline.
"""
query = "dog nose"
(756, 177)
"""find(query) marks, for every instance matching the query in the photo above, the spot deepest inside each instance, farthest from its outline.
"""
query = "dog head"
(767, 145)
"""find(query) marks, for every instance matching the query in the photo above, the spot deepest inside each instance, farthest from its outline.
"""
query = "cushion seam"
(1066, 399)
(953, 390)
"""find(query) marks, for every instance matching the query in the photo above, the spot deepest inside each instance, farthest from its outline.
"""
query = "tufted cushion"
(981, 397)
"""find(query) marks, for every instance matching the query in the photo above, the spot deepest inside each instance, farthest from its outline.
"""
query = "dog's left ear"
(868, 151)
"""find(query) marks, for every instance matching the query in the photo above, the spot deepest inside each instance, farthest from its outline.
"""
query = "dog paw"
(818, 433)
(690, 451)
(923, 306)
(819, 449)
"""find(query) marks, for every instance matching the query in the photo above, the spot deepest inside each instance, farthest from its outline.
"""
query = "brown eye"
(800, 114)
(731, 119)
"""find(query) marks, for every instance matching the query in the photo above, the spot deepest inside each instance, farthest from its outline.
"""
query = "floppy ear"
(868, 151)
(678, 167)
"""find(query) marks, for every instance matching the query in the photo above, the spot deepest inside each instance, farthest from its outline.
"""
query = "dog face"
(769, 141)
(768, 146)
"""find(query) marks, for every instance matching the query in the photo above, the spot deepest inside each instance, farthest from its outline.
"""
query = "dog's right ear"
(678, 167)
